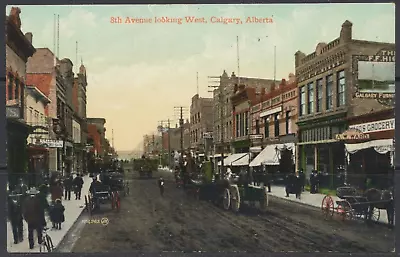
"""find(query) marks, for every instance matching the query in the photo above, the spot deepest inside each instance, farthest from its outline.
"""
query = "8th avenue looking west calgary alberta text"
(190, 19)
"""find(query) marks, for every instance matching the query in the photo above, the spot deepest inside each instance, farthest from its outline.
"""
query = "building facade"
(18, 49)
(222, 106)
(42, 72)
(38, 154)
(201, 121)
(327, 89)
(273, 121)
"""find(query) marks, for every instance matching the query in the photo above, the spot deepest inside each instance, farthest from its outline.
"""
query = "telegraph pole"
(169, 138)
(221, 107)
(181, 110)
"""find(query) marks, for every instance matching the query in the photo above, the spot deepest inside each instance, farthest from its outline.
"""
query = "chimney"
(233, 75)
(29, 36)
(297, 58)
(346, 32)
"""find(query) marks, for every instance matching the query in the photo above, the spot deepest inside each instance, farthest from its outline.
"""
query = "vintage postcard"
(200, 128)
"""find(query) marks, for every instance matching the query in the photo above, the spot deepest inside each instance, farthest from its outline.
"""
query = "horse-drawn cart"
(100, 196)
(352, 205)
(229, 194)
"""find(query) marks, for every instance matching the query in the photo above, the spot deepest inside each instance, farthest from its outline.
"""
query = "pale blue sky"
(137, 73)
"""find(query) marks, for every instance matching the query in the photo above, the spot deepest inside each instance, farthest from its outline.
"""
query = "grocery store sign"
(376, 126)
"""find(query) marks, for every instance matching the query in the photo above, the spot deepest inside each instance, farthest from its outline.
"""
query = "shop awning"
(382, 146)
(270, 155)
(243, 161)
(231, 158)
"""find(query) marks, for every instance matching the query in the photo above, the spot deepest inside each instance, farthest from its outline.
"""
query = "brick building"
(201, 121)
(273, 117)
(222, 100)
(328, 95)
(18, 49)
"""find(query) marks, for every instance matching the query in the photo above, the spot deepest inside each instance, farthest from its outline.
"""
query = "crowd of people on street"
(31, 205)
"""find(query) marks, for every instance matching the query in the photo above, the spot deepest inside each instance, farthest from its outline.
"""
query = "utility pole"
(197, 82)
(181, 110)
(169, 138)
(221, 107)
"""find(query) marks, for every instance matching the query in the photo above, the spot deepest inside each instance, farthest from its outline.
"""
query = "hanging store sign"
(13, 112)
(255, 136)
(352, 134)
(376, 126)
(51, 143)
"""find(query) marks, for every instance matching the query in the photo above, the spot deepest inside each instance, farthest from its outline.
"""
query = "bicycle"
(47, 242)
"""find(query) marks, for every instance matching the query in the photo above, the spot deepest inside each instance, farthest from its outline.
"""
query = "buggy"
(100, 196)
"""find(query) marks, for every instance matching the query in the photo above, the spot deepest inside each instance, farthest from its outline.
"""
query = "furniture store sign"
(376, 126)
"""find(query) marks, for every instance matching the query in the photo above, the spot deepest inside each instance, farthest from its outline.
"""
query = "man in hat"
(78, 184)
(68, 187)
(33, 210)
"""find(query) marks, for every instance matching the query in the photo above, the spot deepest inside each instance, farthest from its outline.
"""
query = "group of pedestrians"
(31, 206)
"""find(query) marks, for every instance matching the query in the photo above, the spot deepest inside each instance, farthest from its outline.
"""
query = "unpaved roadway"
(177, 222)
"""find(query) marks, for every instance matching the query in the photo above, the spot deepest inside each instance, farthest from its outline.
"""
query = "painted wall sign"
(352, 134)
(375, 75)
(376, 126)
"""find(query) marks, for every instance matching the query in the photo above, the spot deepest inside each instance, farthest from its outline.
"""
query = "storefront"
(370, 151)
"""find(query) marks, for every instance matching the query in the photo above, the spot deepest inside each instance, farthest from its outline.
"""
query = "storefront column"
(315, 157)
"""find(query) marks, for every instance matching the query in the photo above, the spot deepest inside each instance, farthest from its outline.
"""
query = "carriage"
(105, 193)
(353, 205)
(145, 167)
(230, 193)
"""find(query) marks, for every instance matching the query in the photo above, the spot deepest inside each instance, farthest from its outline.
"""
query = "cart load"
(145, 166)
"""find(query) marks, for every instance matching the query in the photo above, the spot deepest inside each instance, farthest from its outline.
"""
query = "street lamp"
(60, 130)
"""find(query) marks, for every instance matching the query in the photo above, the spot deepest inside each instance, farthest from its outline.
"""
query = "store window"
(257, 127)
(329, 92)
(341, 98)
(10, 87)
(266, 126)
(319, 95)
(276, 124)
(310, 95)
(302, 100)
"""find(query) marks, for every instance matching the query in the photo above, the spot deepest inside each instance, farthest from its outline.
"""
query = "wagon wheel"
(376, 214)
(346, 210)
(226, 199)
(235, 198)
(264, 201)
(327, 206)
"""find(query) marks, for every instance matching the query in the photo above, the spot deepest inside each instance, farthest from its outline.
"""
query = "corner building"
(326, 88)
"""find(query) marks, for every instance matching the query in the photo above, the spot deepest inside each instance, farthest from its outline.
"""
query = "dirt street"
(177, 222)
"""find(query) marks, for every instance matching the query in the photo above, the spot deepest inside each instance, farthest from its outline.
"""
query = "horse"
(387, 198)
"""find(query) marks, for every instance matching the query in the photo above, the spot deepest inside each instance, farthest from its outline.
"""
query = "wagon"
(230, 194)
(116, 182)
(101, 196)
(352, 205)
